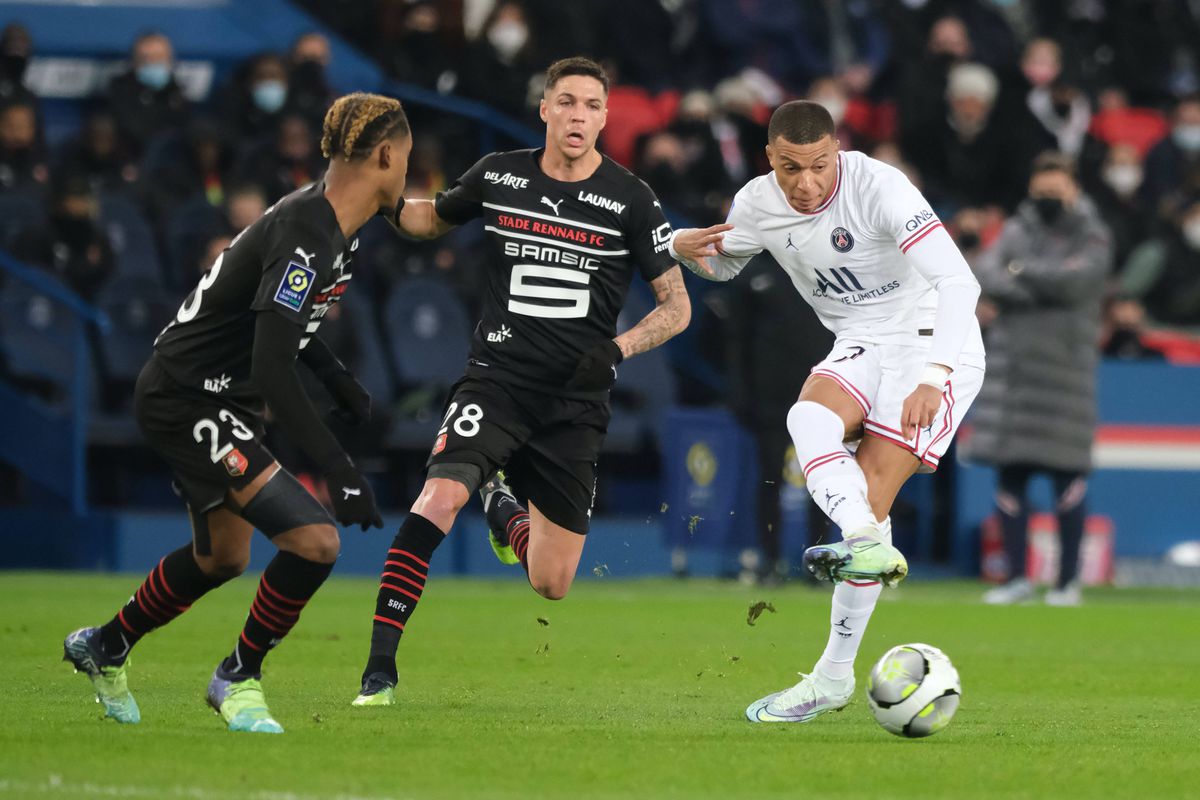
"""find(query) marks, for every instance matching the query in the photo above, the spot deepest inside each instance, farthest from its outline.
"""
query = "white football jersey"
(847, 258)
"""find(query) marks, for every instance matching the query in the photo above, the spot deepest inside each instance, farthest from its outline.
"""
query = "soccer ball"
(913, 690)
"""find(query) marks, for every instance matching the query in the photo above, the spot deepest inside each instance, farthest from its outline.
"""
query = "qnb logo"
(840, 281)
(918, 219)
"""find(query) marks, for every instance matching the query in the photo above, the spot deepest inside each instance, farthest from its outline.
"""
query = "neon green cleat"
(241, 703)
(377, 690)
(493, 490)
(82, 649)
(862, 556)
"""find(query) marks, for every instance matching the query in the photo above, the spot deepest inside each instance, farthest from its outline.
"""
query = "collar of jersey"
(837, 185)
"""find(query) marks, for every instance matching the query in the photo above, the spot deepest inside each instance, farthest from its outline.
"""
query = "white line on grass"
(56, 785)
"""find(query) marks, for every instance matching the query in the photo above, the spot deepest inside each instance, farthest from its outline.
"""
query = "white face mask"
(1191, 232)
(836, 107)
(1124, 179)
(508, 38)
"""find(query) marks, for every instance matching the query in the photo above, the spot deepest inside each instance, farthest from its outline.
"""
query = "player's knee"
(319, 543)
(225, 564)
(808, 421)
(552, 586)
(440, 502)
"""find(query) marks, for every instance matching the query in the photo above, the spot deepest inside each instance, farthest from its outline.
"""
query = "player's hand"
(597, 368)
(352, 498)
(919, 409)
(698, 244)
(353, 401)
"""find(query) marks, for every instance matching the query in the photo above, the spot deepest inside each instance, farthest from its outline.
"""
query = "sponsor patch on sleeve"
(294, 286)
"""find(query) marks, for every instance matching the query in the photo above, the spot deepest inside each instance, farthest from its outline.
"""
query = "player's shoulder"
(303, 216)
(871, 173)
(616, 181)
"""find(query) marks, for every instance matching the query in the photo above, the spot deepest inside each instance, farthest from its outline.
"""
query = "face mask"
(508, 38)
(1124, 179)
(308, 74)
(1191, 233)
(968, 241)
(13, 67)
(269, 96)
(154, 75)
(1049, 208)
(1187, 137)
(836, 107)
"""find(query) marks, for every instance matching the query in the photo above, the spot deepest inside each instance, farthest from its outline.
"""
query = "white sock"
(849, 614)
(835, 480)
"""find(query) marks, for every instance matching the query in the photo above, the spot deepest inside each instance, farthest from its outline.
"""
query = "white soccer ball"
(913, 690)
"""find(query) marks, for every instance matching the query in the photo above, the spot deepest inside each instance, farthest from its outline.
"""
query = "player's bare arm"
(419, 220)
(671, 314)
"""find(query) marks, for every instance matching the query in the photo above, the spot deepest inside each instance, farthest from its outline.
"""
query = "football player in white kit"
(865, 249)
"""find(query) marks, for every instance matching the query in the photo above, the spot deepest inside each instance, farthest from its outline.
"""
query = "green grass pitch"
(633, 689)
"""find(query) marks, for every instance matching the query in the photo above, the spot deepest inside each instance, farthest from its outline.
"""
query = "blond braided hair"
(356, 123)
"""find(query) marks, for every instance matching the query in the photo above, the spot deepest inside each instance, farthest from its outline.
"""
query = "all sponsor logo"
(235, 463)
(216, 385)
(662, 237)
(507, 179)
(501, 335)
(841, 240)
(601, 202)
(295, 285)
(918, 219)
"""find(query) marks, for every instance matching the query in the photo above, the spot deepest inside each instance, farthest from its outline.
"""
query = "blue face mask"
(269, 96)
(154, 75)
(1187, 137)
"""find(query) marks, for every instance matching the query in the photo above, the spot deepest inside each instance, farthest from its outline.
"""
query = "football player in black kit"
(230, 351)
(568, 228)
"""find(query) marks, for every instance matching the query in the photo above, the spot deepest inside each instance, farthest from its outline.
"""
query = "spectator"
(921, 95)
(502, 65)
(70, 244)
(417, 45)
(284, 163)
(216, 244)
(16, 46)
(98, 154)
(244, 205)
(309, 93)
(1173, 160)
(1044, 278)
(253, 102)
(738, 133)
(831, 93)
(22, 165)
(972, 157)
(767, 318)
(1061, 110)
(1116, 190)
(1163, 274)
(844, 39)
(145, 99)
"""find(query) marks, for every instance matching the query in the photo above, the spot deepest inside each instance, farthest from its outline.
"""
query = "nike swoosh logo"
(351, 493)
(859, 548)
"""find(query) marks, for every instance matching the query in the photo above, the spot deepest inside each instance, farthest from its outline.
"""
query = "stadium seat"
(131, 237)
(429, 331)
(138, 310)
(18, 210)
(38, 334)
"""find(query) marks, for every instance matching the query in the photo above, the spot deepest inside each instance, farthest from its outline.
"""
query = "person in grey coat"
(1043, 281)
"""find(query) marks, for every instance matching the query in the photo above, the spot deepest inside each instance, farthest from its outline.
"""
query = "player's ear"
(385, 154)
(771, 156)
(542, 109)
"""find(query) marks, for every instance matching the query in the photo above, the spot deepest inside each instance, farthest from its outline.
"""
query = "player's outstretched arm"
(671, 315)
(418, 219)
(699, 249)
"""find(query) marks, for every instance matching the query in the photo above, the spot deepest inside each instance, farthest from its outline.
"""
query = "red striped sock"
(287, 584)
(169, 590)
(400, 586)
(518, 538)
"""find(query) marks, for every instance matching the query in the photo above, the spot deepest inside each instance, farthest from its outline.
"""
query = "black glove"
(353, 402)
(352, 498)
(597, 368)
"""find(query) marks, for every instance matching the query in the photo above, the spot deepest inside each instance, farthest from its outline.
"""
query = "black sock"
(168, 591)
(509, 519)
(287, 584)
(404, 574)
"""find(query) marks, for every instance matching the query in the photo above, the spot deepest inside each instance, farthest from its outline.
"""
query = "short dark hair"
(1053, 161)
(800, 122)
(575, 65)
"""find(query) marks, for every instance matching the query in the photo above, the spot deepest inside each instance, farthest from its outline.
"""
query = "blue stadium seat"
(429, 331)
(138, 309)
(132, 239)
(18, 210)
(37, 334)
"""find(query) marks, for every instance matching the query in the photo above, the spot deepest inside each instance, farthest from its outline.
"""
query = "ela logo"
(294, 286)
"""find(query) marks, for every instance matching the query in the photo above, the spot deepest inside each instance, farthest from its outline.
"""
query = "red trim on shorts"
(899, 443)
(947, 418)
(383, 585)
(921, 233)
(424, 564)
(391, 622)
(847, 387)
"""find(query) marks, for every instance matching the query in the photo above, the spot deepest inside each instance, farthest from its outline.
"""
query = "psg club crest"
(235, 463)
(841, 240)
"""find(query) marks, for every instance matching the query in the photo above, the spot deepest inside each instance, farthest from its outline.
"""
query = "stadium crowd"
(962, 96)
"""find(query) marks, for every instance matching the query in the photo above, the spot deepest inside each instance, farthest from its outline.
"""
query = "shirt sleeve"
(463, 201)
(905, 215)
(739, 246)
(649, 234)
(298, 261)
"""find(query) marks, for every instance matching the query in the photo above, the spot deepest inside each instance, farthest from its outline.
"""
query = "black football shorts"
(546, 445)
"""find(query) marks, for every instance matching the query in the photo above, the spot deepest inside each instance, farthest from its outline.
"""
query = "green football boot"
(862, 556)
(241, 704)
(82, 648)
(492, 490)
(378, 689)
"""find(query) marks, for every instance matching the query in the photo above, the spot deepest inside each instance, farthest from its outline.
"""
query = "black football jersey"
(565, 254)
(293, 261)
